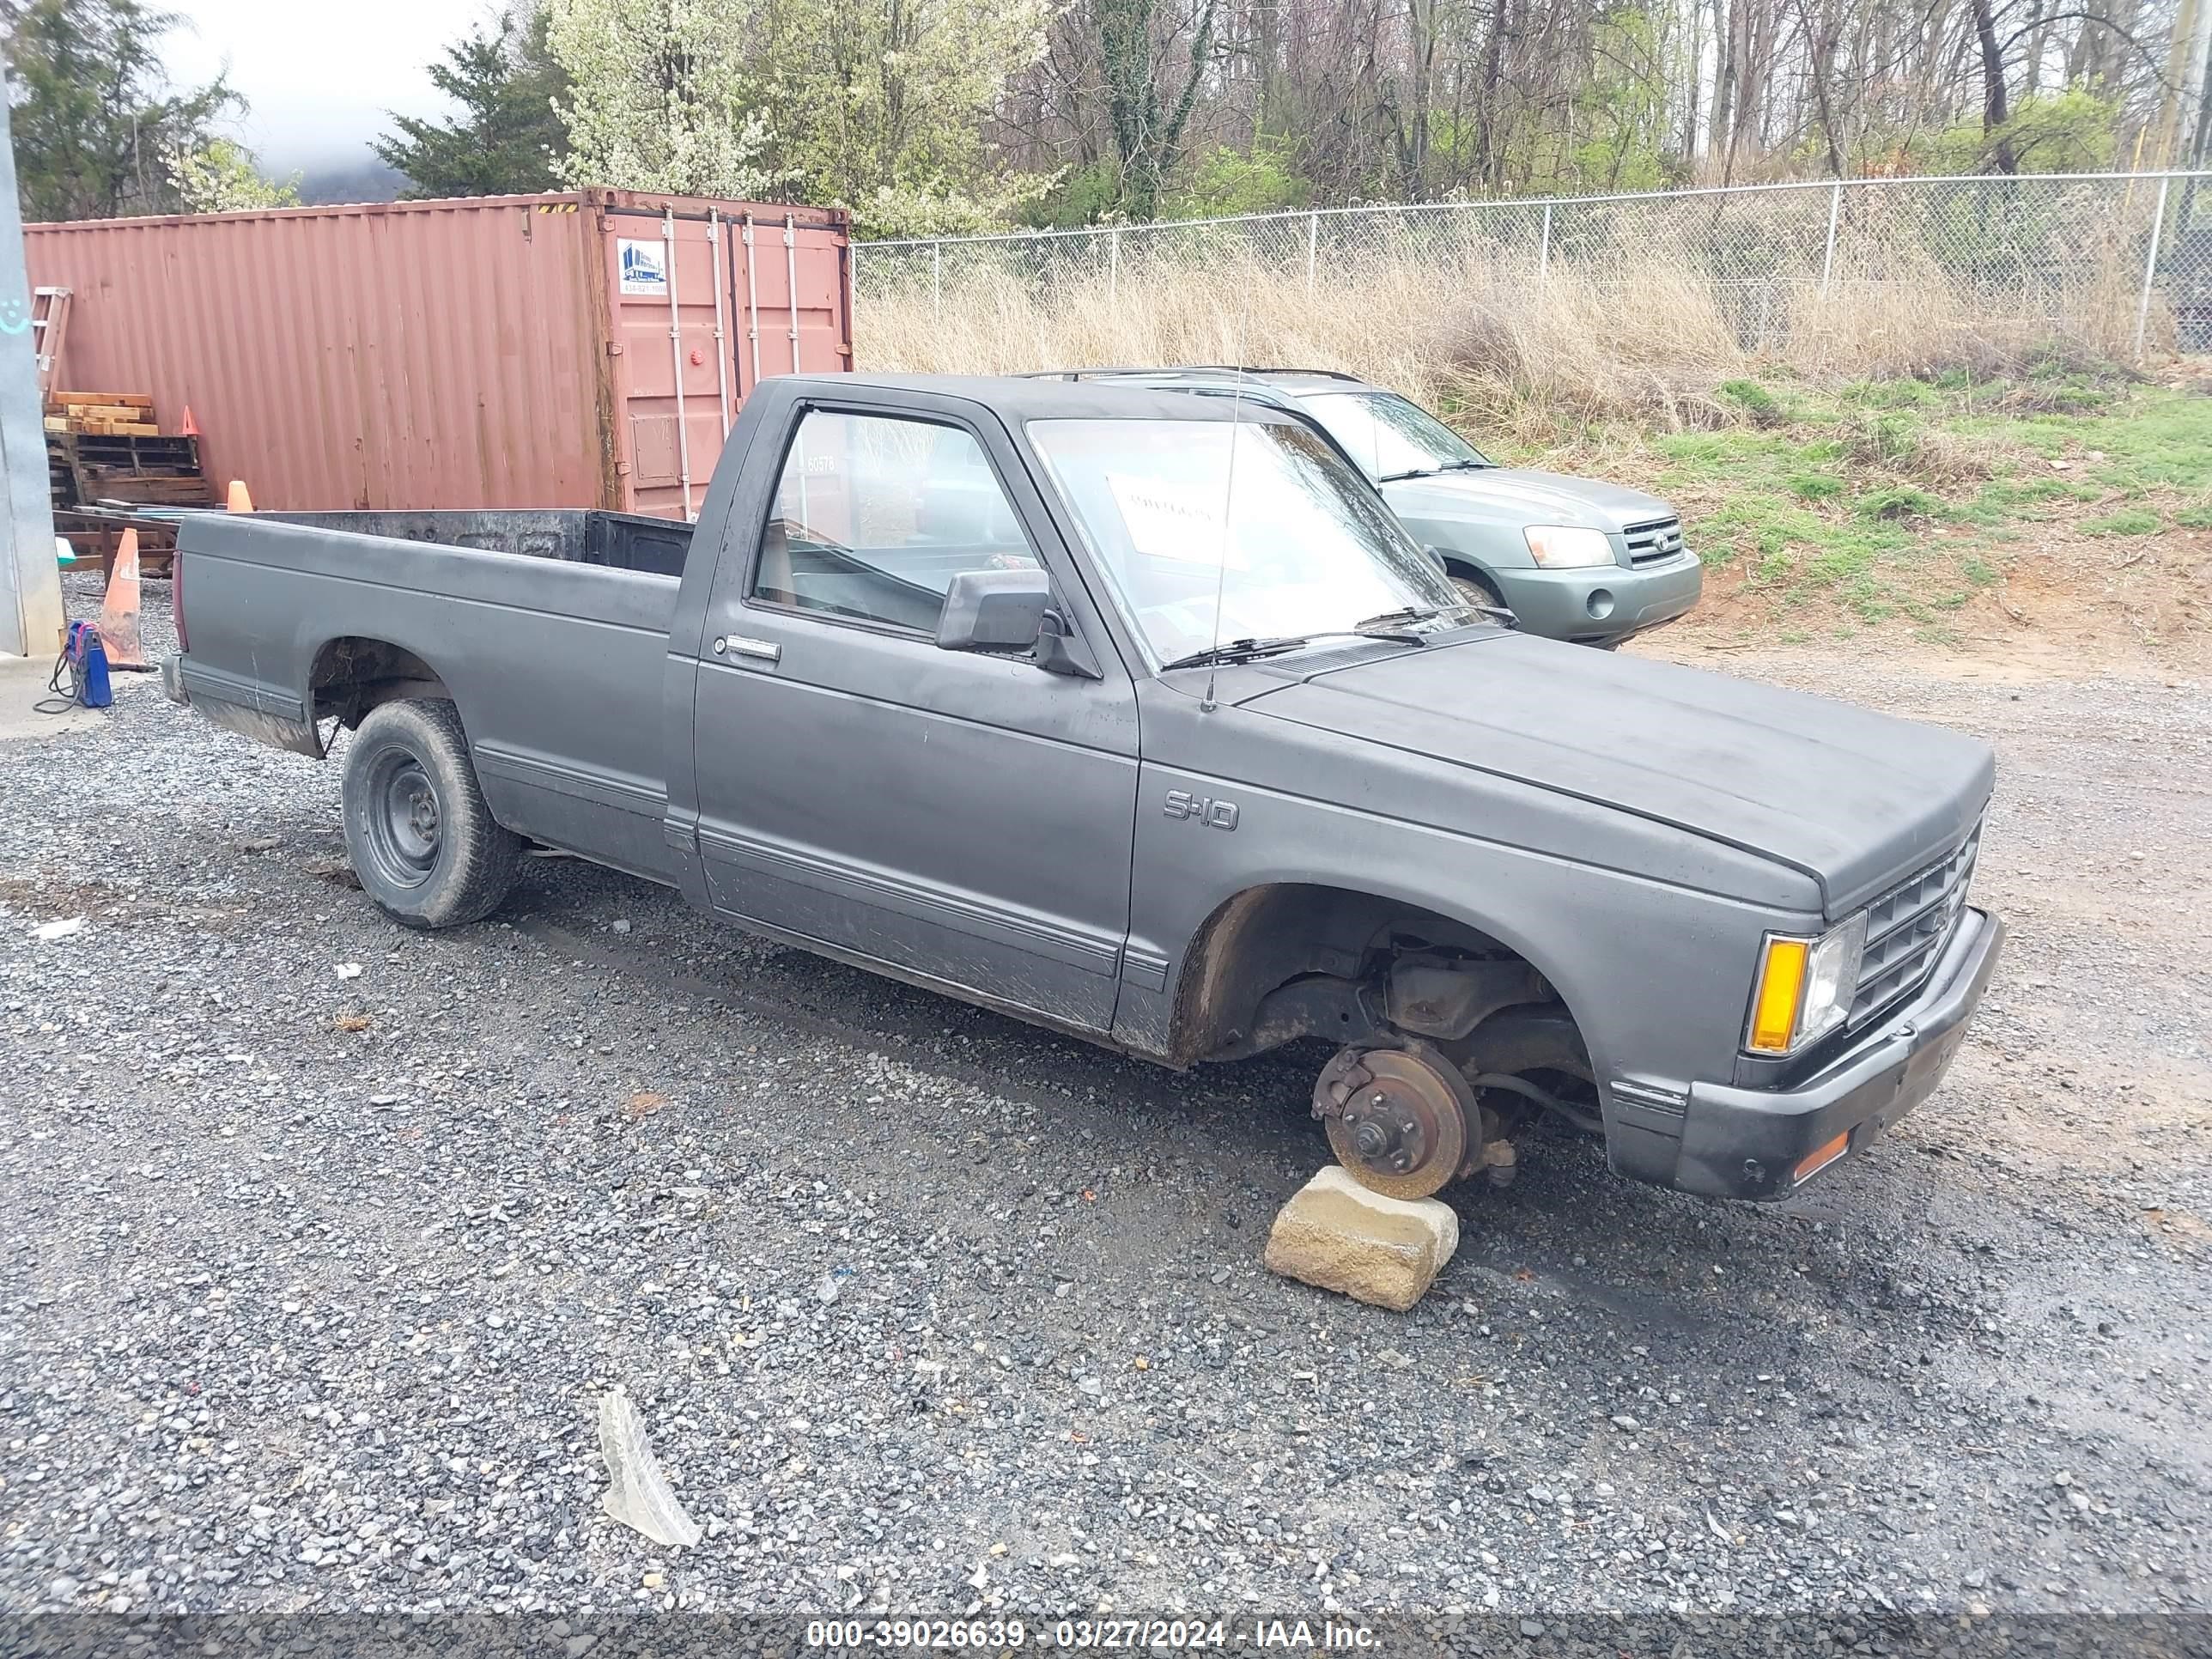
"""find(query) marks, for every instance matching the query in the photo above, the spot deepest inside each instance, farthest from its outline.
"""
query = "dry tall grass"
(1581, 347)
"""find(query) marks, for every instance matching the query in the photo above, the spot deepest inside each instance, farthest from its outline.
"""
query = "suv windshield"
(1298, 546)
(1389, 436)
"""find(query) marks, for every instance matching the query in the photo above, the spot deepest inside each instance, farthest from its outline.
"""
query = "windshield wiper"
(1242, 650)
(1431, 472)
(1248, 649)
(1374, 626)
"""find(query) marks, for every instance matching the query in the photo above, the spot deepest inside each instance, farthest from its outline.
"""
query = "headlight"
(1804, 987)
(1568, 547)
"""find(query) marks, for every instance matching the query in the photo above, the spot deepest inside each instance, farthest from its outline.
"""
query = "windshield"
(1299, 547)
(1389, 436)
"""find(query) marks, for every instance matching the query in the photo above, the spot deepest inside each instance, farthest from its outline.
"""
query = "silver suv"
(1572, 558)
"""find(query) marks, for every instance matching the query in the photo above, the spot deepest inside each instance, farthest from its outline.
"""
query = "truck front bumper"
(1750, 1143)
(173, 678)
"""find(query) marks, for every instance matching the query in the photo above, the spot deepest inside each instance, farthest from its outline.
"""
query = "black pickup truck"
(1135, 714)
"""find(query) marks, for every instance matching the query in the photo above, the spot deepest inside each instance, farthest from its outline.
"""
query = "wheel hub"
(1388, 1133)
(402, 822)
(1396, 1117)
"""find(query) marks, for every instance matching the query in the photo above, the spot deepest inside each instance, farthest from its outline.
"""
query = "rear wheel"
(423, 842)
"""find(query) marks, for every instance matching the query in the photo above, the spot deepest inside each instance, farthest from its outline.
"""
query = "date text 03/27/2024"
(1124, 1635)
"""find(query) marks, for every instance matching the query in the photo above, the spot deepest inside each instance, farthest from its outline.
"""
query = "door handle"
(759, 650)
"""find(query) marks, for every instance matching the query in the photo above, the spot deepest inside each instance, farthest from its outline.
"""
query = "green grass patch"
(1764, 408)
(1891, 394)
(1901, 501)
(2128, 521)
(2152, 437)
(1897, 502)
(2000, 501)
(1735, 454)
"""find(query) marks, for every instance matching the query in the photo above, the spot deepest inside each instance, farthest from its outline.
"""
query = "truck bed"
(550, 629)
(613, 541)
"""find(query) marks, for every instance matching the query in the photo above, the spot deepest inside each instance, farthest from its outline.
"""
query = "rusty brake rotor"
(1397, 1118)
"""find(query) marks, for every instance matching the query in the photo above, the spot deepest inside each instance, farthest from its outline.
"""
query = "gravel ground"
(310, 1279)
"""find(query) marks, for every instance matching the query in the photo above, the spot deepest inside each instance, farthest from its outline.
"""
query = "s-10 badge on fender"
(1214, 814)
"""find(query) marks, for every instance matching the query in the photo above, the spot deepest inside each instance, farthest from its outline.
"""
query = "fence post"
(1828, 257)
(1544, 249)
(1113, 266)
(2150, 266)
(1313, 246)
(936, 276)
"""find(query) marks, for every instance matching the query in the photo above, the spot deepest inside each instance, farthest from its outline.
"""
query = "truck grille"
(1647, 543)
(1907, 927)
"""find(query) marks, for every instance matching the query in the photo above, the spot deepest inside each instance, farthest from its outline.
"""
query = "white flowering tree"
(878, 105)
(660, 96)
(220, 177)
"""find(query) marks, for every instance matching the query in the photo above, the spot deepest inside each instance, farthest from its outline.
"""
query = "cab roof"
(1034, 397)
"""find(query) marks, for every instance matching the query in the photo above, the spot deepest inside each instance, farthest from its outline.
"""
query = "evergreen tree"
(508, 135)
(96, 121)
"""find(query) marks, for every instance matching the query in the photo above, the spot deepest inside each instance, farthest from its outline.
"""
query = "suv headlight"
(1804, 987)
(1568, 546)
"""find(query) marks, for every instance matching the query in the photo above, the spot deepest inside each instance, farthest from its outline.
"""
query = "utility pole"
(30, 582)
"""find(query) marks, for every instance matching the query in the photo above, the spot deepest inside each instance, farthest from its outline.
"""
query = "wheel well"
(1295, 959)
(353, 675)
(1458, 565)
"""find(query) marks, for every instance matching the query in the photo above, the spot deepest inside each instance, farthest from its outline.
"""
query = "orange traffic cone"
(240, 500)
(188, 427)
(117, 626)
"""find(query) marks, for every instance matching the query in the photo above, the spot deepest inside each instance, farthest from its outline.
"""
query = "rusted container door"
(704, 306)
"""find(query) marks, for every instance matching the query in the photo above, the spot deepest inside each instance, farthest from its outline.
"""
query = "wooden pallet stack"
(110, 413)
(106, 446)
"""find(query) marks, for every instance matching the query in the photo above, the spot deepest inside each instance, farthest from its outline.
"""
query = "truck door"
(965, 819)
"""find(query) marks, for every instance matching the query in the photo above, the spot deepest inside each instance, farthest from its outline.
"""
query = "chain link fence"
(2121, 261)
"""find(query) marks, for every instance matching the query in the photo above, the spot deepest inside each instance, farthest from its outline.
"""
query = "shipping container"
(584, 349)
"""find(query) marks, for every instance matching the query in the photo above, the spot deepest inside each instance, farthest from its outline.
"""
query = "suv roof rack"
(1181, 368)
(1244, 368)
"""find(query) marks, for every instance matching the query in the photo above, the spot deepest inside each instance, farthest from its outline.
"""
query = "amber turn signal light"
(1774, 1012)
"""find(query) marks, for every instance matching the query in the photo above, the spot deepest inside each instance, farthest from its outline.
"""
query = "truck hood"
(1855, 800)
(1522, 495)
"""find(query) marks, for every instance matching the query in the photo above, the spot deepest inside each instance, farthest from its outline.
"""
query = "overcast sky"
(319, 74)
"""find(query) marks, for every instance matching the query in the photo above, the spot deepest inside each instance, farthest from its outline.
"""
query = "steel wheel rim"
(404, 820)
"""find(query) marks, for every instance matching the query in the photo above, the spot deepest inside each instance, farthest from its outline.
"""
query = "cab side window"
(874, 516)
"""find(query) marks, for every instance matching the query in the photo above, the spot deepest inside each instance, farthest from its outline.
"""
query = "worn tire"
(423, 842)
(1476, 591)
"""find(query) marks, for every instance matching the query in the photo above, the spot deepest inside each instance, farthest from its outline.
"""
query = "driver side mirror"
(994, 610)
(1011, 610)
